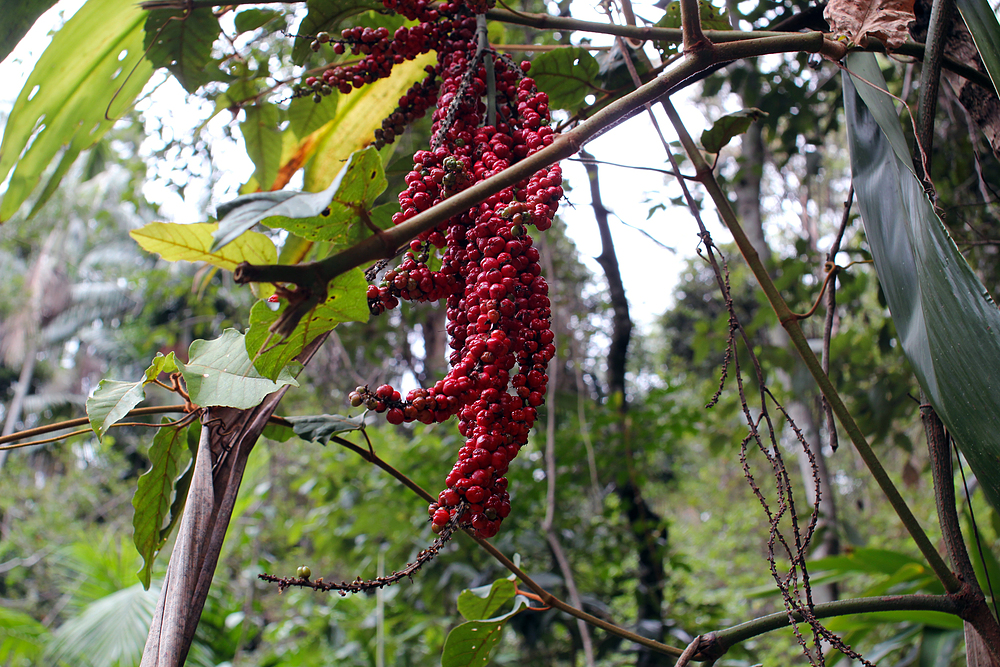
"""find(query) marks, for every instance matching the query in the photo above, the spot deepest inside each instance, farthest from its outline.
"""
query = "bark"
(981, 103)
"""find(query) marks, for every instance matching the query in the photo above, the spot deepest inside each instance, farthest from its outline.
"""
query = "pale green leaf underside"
(220, 372)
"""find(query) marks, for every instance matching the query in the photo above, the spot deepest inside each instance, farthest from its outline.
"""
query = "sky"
(649, 270)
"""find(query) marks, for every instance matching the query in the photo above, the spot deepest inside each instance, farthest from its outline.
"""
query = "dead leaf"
(858, 20)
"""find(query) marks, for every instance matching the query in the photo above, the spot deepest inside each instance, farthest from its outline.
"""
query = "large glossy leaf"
(982, 22)
(220, 373)
(64, 101)
(193, 243)
(345, 302)
(947, 322)
(153, 496)
(181, 41)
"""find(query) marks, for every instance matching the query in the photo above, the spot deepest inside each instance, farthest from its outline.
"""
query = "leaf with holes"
(153, 495)
(347, 219)
(220, 373)
(182, 42)
(192, 243)
(715, 138)
(947, 322)
(326, 15)
(857, 20)
(62, 105)
(320, 428)
(346, 302)
(566, 75)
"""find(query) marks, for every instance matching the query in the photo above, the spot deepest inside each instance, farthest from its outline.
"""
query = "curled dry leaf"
(858, 20)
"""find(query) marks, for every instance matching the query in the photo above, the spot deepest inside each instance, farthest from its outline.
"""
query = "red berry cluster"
(498, 310)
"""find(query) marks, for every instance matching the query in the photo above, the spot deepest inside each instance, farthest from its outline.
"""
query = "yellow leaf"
(359, 114)
(192, 243)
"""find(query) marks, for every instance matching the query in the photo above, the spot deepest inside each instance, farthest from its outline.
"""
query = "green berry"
(303, 572)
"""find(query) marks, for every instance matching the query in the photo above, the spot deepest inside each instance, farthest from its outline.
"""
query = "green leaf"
(496, 32)
(306, 116)
(934, 619)
(183, 483)
(715, 138)
(875, 561)
(161, 364)
(66, 96)
(948, 324)
(18, 18)
(153, 495)
(346, 302)
(263, 141)
(183, 44)
(111, 401)
(359, 184)
(251, 19)
(320, 428)
(326, 15)
(193, 243)
(473, 643)
(486, 601)
(566, 75)
(981, 20)
(220, 373)
(22, 638)
(278, 432)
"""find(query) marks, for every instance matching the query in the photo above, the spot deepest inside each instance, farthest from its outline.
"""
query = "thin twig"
(831, 313)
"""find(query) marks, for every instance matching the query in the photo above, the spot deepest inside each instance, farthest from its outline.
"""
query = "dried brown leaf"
(858, 20)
